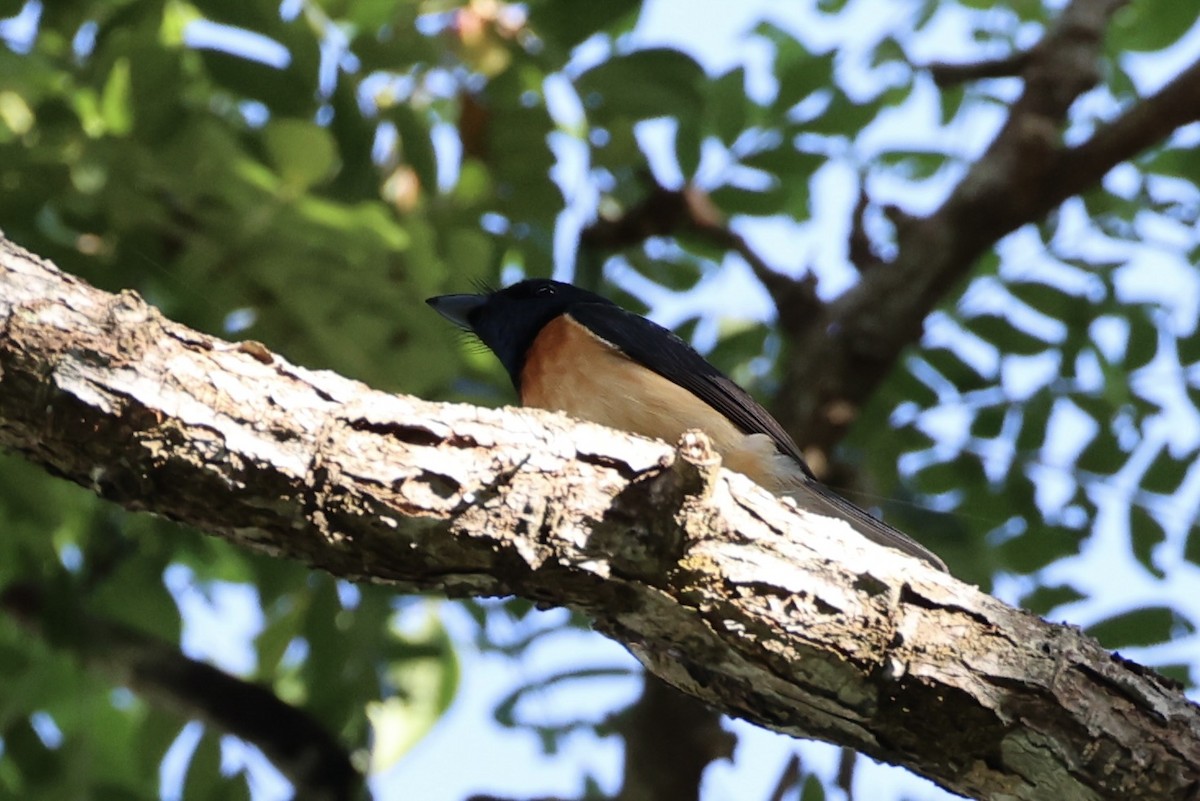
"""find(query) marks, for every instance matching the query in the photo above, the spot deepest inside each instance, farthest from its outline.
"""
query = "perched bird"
(570, 350)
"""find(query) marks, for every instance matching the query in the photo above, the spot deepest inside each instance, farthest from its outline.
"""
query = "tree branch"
(1143, 125)
(303, 750)
(838, 360)
(675, 212)
(763, 611)
(945, 74)
(669, 740)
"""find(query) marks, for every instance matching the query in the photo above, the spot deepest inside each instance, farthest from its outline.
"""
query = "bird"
(570, 350)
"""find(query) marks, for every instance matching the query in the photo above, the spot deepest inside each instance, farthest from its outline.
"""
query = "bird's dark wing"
(821, 499)
(657, 349)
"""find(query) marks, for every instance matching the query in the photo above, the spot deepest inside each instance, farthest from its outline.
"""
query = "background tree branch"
(839, 352)
(317, 765)
(670, 739)
(836, 363)
(735, 597)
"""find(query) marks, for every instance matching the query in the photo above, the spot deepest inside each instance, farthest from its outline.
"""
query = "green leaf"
(156, 732)
(416, 144)
(843, 116)
(1165, 474)
(1176, 162)
(948, 476)
(1193, 394)
(803, 76)
(1145, 534)
(1142, 342)
(904, 385)
(425, 677)
(813, 789)
(469, 251)
(25, 748)
(373, 15)
(1191, 550)
(800, 71)
(136, 596)
(668, 84)
(568, 24)
(287, 92)
(116, 107)
(888, 51)
(741, 341)
(688, 141)
(1178, 671)
(518, 153)
(786, 163)
(677, 274)
(982, 507)
(1051, 301)
(1140, 627)
(998, 331)
(950, 102)
(1102, 455)
(726, 106)
(621, 150)
(1097, 407)
(910, 439)
(951, 366)
(1151, 24)
(1110, 209)
(15, 115)
(735, 200)
(203, 777)
(989, 421)
(303, 153)
(273, 641)
(1044, 600)
(1116, 390)
(1035, 416)
(1188, 348)
(158, 87)
(897, 95)
(1038, 546)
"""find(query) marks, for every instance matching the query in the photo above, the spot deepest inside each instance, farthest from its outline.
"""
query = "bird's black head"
(508, 320)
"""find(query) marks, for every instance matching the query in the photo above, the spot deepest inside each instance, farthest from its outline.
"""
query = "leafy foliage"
(305, 174)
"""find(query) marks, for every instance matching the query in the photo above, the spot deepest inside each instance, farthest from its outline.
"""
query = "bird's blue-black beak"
(457, 308)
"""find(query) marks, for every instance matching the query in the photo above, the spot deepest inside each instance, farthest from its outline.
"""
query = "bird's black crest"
(508, 320)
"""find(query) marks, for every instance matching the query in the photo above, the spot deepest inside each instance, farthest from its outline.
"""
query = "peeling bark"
(780, 617)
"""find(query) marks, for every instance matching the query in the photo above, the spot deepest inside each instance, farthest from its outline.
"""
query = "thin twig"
(946, 75)
(676, 212)
(860, 249)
